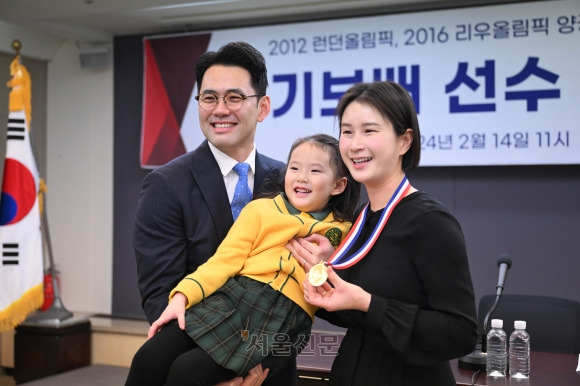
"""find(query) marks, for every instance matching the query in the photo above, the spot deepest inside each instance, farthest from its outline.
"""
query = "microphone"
(477, 359)
(504, 262)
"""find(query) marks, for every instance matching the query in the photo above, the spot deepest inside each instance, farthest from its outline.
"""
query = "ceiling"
(100, 20)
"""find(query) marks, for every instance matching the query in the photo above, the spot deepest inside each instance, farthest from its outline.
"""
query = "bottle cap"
(496, 323)
(520, 325)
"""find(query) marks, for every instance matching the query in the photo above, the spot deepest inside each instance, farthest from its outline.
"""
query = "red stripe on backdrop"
(169, 81)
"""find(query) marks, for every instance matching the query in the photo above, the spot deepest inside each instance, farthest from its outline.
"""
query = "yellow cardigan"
(254, 247)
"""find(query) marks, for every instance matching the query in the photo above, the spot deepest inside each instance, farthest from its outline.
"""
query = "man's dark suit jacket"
(182, 216)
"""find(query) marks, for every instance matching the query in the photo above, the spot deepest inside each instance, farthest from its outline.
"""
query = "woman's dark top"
(422, 310)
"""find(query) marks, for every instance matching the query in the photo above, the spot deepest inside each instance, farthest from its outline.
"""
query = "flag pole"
(57, 311)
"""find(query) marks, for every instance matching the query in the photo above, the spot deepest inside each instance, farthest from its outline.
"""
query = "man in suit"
(184, 209)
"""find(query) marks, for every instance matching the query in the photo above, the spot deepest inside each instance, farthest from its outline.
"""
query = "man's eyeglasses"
(233, 100)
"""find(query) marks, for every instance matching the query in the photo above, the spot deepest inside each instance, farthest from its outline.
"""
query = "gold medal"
(317, 274)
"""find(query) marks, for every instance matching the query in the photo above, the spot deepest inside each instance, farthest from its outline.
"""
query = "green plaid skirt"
(247, 322)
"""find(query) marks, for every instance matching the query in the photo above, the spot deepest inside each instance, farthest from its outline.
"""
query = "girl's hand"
(344, 296)
(174, 310)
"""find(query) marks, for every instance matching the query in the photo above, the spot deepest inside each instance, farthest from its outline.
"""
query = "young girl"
(245, 305)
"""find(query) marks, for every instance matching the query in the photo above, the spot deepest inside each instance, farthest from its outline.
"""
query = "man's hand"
(254, 378)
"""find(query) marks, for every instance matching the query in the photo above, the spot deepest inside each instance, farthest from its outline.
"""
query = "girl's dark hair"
(393, 102)
(342, 205)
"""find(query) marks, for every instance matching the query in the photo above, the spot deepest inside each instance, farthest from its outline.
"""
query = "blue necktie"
(242, 194)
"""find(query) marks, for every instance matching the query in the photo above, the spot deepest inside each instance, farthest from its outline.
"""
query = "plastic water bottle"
(496, 362)
(519, 351)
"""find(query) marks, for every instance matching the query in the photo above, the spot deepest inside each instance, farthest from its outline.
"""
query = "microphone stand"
(484, 328)
(477, 359)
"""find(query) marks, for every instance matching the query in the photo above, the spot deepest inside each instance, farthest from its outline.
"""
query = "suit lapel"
(208, 177)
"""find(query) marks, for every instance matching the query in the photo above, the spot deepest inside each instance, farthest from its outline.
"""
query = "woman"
(400, 280)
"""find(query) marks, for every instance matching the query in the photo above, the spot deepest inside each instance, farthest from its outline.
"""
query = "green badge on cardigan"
(334, 235)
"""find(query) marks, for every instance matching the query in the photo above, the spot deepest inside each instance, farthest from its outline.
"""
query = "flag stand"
(57, 312)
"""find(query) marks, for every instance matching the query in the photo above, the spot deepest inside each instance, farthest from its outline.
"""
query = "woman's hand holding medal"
(334, 294)
(342, 295)
(311, 252)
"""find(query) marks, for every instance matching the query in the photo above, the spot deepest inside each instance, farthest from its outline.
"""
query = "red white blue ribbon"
(338, 259)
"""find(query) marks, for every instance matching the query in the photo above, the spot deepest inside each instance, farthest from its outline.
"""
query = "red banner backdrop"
(169, 81)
